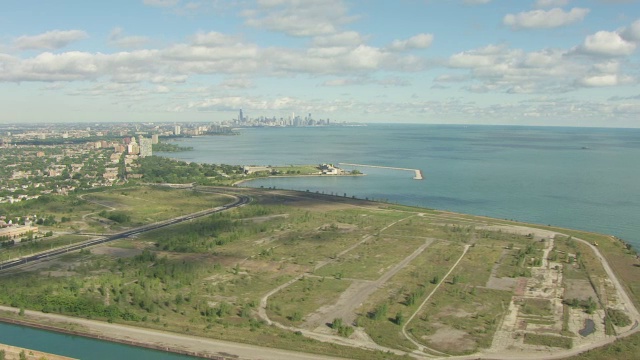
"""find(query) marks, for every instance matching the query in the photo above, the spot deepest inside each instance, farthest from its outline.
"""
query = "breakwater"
(418, 172)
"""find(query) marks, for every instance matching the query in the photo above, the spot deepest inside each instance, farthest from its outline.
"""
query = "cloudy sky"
(528, 62)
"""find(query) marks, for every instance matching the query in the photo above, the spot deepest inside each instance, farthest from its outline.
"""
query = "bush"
(119, 217)
(619, 318)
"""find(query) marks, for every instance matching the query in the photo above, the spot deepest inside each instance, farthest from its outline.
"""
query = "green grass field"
(207, 277)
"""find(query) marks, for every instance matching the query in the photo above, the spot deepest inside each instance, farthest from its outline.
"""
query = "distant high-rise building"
(240, 116)
(176, 130)
(154, 139)
(146, 146)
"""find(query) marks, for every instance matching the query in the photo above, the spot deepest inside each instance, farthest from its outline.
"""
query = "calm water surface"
(76, 346)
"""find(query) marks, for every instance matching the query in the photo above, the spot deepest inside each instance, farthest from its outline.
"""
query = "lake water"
(583, 178)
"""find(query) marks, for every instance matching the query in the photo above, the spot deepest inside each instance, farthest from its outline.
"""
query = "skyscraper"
(146, 146)
(240, 117)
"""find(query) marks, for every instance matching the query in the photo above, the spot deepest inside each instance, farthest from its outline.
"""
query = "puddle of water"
(589, 328)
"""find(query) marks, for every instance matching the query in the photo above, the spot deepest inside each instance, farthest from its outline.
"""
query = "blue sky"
(521, 62)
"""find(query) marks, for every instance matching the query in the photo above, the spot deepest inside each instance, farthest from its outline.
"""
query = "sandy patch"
(459, 313)
(579, 289)
(447, 338)
(58, 273)
(508, 284)
(115, 251)
(519, 230)
(261, 219)
(337, 227)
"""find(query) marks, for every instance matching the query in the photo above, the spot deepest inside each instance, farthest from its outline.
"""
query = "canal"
(77, 346)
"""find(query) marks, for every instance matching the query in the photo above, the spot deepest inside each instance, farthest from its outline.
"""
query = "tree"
(399, 320)
(297, 316)
(380, 312)
(337, 323)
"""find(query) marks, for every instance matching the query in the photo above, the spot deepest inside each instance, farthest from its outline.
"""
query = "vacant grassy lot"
(403, 293)
(460, 319)
(372, 259)
(548, 340)
(291, 305)
(150, 204)
(475, 267)
(207, 277)
(536, 307)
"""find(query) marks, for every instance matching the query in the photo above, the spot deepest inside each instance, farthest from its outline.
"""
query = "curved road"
(240, 200)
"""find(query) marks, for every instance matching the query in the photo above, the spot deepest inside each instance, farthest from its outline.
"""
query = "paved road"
(240, 200)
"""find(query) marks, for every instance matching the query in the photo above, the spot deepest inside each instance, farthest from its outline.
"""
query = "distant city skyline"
(530, 62)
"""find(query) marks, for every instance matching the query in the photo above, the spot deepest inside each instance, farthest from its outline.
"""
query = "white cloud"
(481, 57)
(366, 81)
(299, 18)
(606, 43)
(551, 3)
(605, 80)
(497, 68)
(346, 38)
(632, 32)
(538, 19)
(237, 83)
(420, 41)
(68, 66)
(118, 39)
(162, 89)
(51, 40)
(213, 39)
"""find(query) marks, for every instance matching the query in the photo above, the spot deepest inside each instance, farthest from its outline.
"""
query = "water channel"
(76, 346)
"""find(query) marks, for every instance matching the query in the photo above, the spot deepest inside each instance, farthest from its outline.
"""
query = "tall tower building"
(146, 147)
(240, 117)
(176, 130)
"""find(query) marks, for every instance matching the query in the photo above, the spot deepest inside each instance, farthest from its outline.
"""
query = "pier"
(418, 172)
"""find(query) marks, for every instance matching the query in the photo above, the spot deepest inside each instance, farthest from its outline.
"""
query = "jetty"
(418, 172)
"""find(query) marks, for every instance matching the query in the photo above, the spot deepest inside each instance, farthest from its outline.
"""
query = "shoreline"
(13, 352)
(292, 176)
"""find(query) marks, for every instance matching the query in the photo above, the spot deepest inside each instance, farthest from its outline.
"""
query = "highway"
(240, 201)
